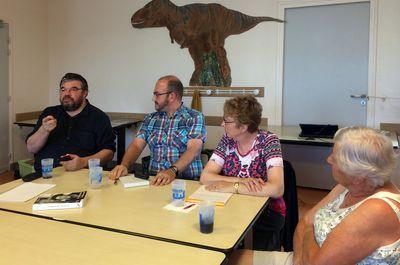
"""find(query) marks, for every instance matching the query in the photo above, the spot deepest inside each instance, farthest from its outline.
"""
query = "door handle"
(362, 96)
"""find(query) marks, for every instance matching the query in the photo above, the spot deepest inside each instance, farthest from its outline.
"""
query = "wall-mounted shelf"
(211, 91)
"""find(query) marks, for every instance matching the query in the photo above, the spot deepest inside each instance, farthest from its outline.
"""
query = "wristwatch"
(174, 169)
(236, 186)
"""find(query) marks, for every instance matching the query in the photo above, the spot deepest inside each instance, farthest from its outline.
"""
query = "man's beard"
(72, 105)
(160, 106)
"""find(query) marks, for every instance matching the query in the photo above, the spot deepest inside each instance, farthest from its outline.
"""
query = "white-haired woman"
(358, 222)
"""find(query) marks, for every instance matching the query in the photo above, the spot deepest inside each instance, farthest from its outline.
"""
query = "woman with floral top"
(248, 160)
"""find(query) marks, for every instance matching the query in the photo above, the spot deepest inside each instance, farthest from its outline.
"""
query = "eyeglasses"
(226, 121)
(156, 94)
(72, 89)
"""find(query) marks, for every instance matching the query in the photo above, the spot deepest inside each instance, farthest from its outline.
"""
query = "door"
(4, 98)
(325, 60)
(326, 52)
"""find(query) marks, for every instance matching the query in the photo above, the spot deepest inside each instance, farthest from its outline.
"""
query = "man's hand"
(164, 177)
(75, 163)
(118, 171)
(49, 123)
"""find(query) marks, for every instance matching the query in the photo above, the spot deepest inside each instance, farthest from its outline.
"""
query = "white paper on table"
(130, 180)
(25, 192)
(185, 208)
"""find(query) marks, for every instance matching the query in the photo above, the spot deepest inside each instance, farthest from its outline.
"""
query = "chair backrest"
(292, 210)
(391, 127)
(206, 155)
(145, 166)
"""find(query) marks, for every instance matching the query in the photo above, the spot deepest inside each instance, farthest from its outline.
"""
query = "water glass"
(206, 217)
(47, 167)
(178, 192)
(93, 162)
(95, 177)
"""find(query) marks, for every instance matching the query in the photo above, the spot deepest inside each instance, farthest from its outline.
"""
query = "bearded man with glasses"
(74, 131)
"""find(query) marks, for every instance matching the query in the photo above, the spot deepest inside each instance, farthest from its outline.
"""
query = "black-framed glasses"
(71, 89)
(156, 94)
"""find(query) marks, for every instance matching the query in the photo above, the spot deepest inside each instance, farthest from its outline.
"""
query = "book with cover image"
(60, 201)
(132, 181)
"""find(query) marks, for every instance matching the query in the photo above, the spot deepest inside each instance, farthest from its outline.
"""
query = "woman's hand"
(252, 184)
(221, 186)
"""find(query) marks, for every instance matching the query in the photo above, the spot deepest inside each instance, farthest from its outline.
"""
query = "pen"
(188, 206)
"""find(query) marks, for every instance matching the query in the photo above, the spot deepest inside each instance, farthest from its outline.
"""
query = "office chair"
(292, 210)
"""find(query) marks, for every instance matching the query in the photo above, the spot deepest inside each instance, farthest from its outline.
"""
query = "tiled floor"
(308, 197)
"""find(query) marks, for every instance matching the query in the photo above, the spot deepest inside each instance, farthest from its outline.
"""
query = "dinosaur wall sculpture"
(202, 28)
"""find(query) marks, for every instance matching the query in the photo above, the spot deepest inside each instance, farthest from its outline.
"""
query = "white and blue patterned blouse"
(329, 216)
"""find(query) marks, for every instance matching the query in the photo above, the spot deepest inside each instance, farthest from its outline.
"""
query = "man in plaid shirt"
(175, 135)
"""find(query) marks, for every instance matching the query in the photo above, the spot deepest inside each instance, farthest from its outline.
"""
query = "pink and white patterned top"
(264, 154)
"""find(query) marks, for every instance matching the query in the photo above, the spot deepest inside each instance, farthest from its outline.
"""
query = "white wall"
(28, 22)
(95, 38)
(122, 63)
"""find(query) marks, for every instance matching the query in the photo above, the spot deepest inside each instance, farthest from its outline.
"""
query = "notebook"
(201, 194)
(318, 130)
(132, 181)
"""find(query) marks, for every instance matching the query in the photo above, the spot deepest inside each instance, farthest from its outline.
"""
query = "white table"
(31, 240)
(139, 211)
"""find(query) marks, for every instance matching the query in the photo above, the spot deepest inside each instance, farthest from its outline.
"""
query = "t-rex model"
(202, 28)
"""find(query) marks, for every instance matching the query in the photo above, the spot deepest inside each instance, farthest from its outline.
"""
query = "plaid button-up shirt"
(168, 137)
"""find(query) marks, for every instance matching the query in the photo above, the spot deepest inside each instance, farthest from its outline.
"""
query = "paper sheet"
(25, 192)
(187, 207)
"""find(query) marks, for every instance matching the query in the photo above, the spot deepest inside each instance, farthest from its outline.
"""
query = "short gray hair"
(365, 152)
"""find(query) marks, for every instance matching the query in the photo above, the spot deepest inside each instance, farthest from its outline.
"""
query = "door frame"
(9, 23)
(373, 26)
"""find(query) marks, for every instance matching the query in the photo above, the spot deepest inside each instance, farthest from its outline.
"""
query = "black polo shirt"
(84, 134)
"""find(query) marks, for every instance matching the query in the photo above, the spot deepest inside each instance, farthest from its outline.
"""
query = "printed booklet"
(60, 201)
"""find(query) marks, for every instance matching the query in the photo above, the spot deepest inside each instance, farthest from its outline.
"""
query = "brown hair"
(174, 85)
(245, 110)
(74, 77)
